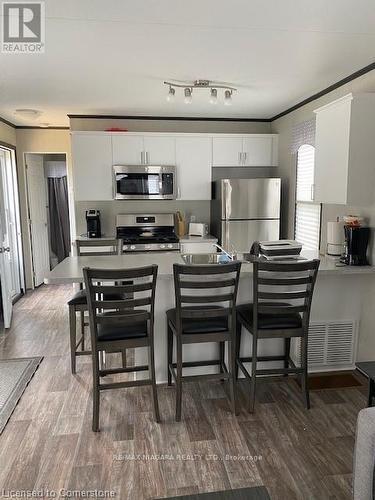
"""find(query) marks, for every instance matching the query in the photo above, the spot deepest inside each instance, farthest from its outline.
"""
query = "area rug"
(256, 493)
(15, 374)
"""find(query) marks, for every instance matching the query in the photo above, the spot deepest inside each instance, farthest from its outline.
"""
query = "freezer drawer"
(250, 198)
(240, 235)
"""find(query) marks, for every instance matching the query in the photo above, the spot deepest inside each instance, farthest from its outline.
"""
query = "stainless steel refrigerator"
(244, 211)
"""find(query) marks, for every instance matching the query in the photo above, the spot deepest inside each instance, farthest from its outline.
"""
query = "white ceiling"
(111, 57)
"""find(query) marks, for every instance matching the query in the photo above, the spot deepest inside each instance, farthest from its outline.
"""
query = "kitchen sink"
(204, 258)
(212, 258)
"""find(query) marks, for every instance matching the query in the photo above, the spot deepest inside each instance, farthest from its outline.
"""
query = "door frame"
(20, 244)
(70, 200)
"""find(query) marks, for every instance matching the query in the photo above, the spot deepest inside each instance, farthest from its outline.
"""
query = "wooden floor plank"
(48, 442)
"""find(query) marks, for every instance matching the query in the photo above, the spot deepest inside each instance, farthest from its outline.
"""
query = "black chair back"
(283, 288)
(199, 287)
(115, 247)
(134, 292)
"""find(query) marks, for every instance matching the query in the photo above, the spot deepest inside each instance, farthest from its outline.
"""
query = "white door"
(258, 151)
(127, 149)
(193, 160)
(227, 151)
(37, 196)
(5, 253)
(92, 167)
(159, 150)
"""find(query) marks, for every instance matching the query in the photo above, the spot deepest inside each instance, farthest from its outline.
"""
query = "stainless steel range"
(147, 232)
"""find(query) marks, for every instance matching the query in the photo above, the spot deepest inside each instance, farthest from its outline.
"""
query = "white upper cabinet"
(143, 150)
(127, 149)
(253, 150)
(159, 150)
(193, 160)
(227, 151)
(345, 151)
(92, 167)
(259, 151)
(94, 154)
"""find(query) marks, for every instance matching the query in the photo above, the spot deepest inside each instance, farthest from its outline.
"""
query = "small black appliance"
(93, 224)
(356, 242)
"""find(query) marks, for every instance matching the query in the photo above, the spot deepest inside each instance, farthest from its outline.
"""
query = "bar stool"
(271, 316)
(117, 325)
(214, 287)
(78, 303)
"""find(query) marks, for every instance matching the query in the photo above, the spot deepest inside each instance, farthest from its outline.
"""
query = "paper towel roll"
(335, 238)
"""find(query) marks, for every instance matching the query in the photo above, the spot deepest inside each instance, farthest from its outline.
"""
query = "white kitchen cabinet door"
(258, 151)
(227, 151)
(345, 151)
(127, 149)
(159, 150)
(92, 167)
(193, 160)
(332, 153)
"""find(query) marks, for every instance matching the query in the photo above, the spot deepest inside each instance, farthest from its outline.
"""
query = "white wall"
(287, 169)
(40, 141)
(7, 134)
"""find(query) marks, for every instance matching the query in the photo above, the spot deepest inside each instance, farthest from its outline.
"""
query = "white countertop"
(70, 269)
(197, 239)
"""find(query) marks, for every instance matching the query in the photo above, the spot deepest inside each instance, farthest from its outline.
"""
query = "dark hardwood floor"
(48, 442)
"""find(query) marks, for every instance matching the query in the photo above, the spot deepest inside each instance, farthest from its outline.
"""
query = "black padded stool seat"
(269, 321)
(209, 325)
(79, 298)
(118, 331)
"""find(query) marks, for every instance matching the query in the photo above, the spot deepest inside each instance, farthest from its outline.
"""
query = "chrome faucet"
(222, 250)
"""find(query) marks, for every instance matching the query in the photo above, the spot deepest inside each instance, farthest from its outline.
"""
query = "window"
(307, 215)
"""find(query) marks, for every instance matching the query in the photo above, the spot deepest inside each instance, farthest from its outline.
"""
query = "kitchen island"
(336, 308)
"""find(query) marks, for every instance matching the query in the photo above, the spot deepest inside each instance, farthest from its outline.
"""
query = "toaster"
(197, 229)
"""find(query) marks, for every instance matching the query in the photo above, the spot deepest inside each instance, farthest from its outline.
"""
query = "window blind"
(305, 173)
(307, 225)
(307, 216)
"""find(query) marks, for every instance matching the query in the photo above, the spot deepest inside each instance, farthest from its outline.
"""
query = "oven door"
(139, 183)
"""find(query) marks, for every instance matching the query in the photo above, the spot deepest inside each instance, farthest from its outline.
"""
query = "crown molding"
(325, 91)
(168, 118)
(10, 124)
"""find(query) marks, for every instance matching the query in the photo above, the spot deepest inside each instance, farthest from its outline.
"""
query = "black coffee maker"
(356, 242)
(93, 224)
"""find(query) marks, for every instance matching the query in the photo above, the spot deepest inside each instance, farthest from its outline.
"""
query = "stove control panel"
(149, 247)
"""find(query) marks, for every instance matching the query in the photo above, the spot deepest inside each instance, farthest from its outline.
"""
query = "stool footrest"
(127, 369)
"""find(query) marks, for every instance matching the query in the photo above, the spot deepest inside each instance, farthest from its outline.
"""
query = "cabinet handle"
(312, 192)
(146, 153)
(142, 162)
(244, 158)
(239, 158)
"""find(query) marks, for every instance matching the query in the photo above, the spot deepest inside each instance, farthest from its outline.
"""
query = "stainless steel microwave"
(140, 182)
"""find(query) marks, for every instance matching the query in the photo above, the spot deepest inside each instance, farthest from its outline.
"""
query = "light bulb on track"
(188, 97)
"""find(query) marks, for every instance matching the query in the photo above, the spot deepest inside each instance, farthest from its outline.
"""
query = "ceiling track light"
(228, 97)
(188, 97)
(171, 94)
(200, 84)
(213, 96)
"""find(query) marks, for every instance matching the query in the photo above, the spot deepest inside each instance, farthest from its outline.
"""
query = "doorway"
(48, 202)
(12, 280)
